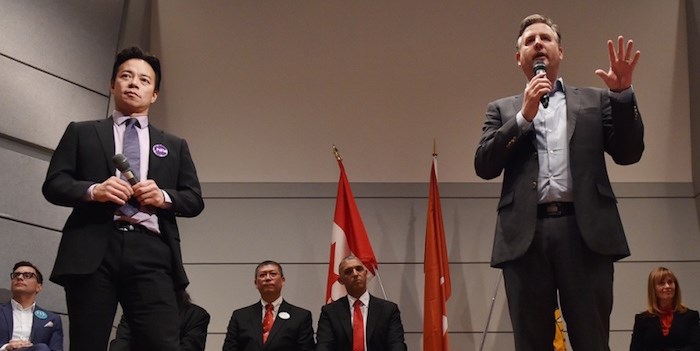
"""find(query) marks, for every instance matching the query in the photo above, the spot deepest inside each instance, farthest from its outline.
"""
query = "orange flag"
(438, 286)
(348, 237)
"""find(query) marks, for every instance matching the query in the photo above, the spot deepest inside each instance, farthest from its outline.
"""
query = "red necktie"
(358, 328)
(267, 321)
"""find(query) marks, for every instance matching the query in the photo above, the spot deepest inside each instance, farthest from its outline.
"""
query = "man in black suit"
(271, 324)
(380, 328)
(558, 228)
(111, 253)
(23, 324)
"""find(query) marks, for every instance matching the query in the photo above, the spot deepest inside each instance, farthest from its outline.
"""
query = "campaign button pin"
(160, 150)
(41, 314)
(284, 315)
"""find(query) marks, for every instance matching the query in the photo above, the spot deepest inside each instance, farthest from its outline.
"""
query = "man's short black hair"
(39, 276)
(135, 52)
(269, 263)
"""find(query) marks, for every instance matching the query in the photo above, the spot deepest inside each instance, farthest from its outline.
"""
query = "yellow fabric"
(559, 341)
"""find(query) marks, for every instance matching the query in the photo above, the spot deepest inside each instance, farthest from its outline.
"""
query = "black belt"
(555, 209)
(123, 226)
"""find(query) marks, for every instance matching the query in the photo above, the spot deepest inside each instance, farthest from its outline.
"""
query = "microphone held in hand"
(123, 166)
(538, 68)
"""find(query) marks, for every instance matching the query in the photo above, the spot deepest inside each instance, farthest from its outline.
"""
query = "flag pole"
(381, 285)
(337, 156)
(493, 301)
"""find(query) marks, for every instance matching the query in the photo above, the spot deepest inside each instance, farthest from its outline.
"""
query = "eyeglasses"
(25, 275)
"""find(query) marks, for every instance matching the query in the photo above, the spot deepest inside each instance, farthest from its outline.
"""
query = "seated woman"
(666, 324)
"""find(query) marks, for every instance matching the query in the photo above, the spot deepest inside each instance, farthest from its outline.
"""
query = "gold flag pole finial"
(434, 148)
(336, 153)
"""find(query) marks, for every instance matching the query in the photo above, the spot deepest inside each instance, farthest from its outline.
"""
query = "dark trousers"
(559, 261)
(135, 273)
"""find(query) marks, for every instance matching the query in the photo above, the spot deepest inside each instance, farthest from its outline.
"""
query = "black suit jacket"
(47, 330)
(384, 330)
(194, 322)
(295, 333)
(82, 158)
(596, 123)
(684, 333)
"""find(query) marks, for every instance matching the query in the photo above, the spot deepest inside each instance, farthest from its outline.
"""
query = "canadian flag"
(348, 237)
(438, 286)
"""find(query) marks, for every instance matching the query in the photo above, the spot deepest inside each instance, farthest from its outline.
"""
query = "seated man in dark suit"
(23, 324)
(359, 321)
(194, 322)
(272, 324)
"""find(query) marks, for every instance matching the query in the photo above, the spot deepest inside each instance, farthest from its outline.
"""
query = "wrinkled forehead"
(351, 263)
(267, 268)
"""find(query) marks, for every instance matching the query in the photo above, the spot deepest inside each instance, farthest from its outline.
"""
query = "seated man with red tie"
(272, 324)
(359, 321)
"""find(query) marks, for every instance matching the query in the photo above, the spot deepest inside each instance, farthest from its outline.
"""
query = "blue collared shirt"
(554, 178)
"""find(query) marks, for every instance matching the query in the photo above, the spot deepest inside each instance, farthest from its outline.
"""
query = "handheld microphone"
(123, 166)
(538, 68)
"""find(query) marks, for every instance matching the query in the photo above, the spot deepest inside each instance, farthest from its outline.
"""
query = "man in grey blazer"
(558, 228)
(288, 327)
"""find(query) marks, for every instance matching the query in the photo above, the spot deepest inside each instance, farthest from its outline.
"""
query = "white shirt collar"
(364, 298)
(16, 306)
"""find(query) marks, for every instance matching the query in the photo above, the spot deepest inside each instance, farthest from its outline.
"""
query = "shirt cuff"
(166, 198)
(523, 124)
(87, 197)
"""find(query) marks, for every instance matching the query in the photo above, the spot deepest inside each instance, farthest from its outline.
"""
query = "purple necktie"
(132, 152)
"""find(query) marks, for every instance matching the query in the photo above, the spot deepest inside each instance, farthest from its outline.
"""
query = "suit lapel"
(7, 315)
(573, 105)
(38, 324)
(156, 163)
(105, 134)
(344, 314)
(278, 324)
(373, 313)
(253, 318)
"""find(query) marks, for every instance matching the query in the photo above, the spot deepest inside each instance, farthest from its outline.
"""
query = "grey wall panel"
(663, 229)
(22, 242)
(36, 107)
(20, 186)
(75, 40)
(243, 228)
